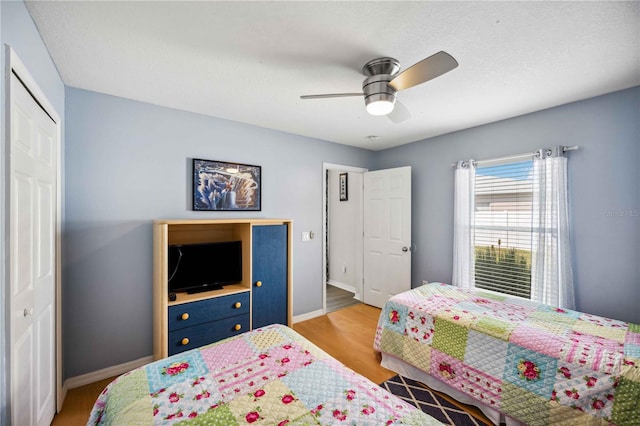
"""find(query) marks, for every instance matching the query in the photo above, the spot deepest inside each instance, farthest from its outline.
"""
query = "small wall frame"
(343, 182)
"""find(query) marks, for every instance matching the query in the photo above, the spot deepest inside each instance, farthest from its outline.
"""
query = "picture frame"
(344, 186)
(226, 186)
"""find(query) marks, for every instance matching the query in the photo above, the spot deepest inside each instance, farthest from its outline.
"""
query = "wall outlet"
(425, 282)
(306, 236)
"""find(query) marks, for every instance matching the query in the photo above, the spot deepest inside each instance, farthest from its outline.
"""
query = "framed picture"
(344, 187)
(223, 186)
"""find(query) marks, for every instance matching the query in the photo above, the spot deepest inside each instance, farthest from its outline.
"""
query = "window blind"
(503, 227)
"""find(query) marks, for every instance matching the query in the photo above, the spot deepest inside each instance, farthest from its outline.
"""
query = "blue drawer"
(204, 334)
(208, 310)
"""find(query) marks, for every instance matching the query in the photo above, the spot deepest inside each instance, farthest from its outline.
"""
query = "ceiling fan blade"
(425, 70)
(331, 95)
(400, 113)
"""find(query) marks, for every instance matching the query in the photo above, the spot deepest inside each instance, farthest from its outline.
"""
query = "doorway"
(366, 251)
(342, 236)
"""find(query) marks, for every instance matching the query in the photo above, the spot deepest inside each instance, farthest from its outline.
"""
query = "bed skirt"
(407, 370)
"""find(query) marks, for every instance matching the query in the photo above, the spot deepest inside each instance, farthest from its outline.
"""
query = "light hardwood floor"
(346, 334)
(78, 403)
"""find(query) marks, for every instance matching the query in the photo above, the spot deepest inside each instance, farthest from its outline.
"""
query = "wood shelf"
(228, 289)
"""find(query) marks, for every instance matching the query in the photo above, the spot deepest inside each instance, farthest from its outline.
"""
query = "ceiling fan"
(384, 79)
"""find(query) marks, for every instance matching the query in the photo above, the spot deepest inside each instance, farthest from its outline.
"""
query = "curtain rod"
(528, 154)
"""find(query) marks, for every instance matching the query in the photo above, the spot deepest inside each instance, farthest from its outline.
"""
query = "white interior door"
(32, 258)
(387, 234)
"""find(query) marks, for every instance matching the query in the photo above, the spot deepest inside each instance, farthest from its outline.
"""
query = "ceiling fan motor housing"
(376, 88)
(379, 73)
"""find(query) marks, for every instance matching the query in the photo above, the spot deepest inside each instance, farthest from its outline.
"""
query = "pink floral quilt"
(538, 364)
(268, 376)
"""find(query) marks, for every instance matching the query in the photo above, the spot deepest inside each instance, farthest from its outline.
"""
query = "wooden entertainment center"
(262, 297)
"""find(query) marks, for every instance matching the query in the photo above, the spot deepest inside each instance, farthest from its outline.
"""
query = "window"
(503, 228)
(511, 227)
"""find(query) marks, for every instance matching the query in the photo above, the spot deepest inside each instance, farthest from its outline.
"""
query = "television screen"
(203, 267)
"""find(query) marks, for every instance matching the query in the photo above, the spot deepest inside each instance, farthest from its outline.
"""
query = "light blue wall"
(128, 163)
(604, 181)
(18, 31)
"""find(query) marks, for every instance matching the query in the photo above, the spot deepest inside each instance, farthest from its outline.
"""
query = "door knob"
(27, 312)
(405, 249)
(259, 284)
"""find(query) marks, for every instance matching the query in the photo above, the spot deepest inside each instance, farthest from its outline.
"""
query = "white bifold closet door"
(32, 259)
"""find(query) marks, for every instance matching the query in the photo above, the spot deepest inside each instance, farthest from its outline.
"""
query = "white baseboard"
(61, 397)
(345, 287)
(105, 373)
(308, 316)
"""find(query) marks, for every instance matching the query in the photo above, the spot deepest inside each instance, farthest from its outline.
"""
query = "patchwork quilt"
(535, 363)
(268, 376)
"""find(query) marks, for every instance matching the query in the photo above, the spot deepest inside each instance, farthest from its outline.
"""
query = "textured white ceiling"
(250, 61)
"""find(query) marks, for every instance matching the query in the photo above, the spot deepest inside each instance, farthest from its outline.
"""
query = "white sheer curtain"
(551, 271)
(463, 225)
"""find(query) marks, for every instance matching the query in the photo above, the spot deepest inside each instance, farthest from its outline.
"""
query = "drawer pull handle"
(184, 316)
(237, 305)
(185, 341)
(237, 327)
(259, 284)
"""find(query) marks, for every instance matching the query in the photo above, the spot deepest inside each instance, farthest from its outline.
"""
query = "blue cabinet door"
(269, 275)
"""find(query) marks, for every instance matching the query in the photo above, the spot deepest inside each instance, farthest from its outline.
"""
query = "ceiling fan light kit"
(382, 106)
(384, 79)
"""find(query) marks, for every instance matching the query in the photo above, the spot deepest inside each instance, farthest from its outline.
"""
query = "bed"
(518, 361)
(270, 375)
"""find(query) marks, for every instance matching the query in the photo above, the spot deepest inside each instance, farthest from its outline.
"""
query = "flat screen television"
(203, 267)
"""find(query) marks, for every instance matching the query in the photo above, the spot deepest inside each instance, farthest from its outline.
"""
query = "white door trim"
(15, 65)
(325, 168)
